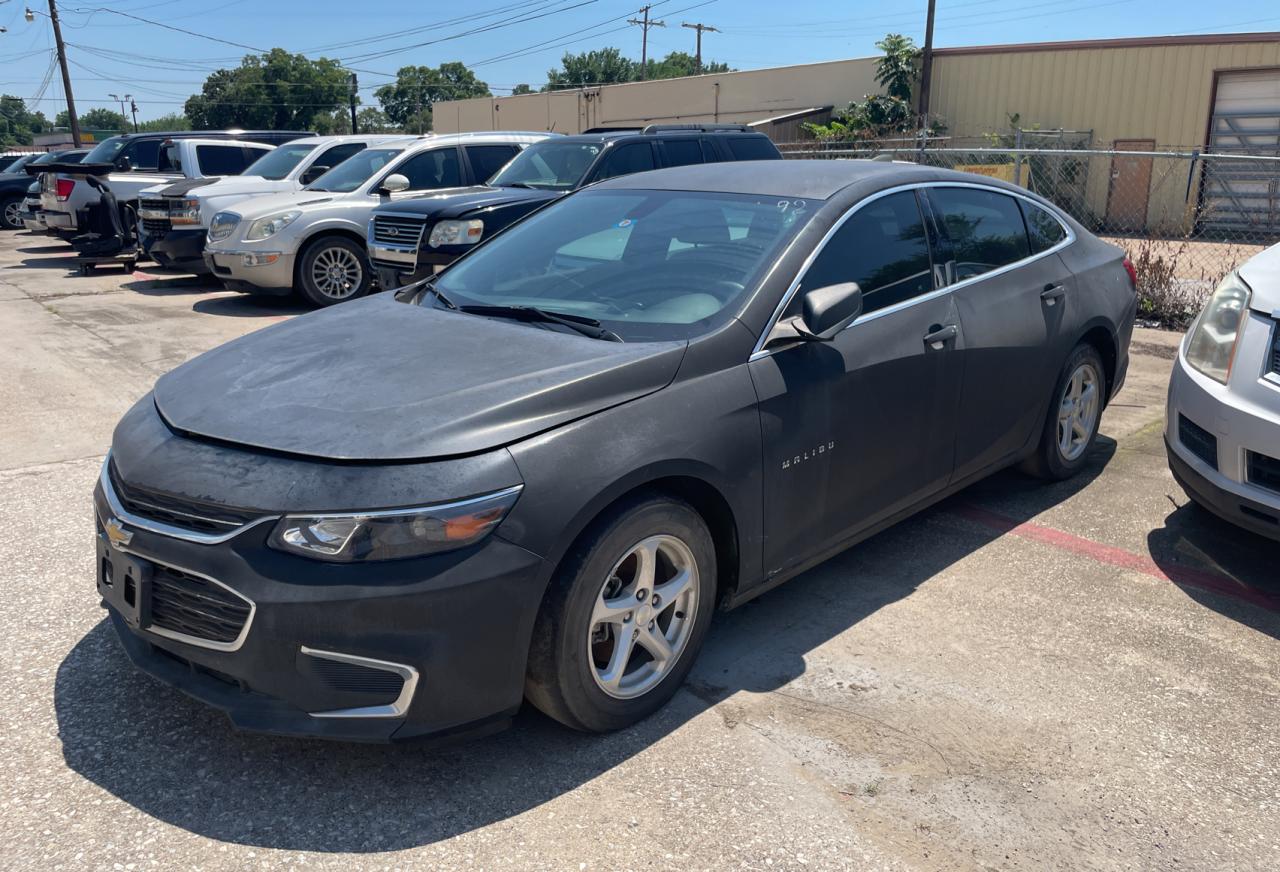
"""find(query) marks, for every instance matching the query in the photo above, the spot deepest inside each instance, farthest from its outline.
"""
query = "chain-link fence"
(1186, 219)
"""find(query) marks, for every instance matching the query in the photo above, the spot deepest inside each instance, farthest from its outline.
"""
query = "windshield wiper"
(586, 326)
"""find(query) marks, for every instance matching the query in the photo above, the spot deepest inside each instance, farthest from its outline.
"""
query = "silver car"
(313, 240)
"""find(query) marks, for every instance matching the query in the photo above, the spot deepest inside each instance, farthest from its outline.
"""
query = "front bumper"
(275, 277)
(445, 630)
(1218, 479)
(178, 249)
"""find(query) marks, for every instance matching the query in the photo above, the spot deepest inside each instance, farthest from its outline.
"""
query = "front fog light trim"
(350, 537)
(394, 709)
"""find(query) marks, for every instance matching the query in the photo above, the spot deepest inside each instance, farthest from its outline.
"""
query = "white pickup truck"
(132, 162)
(173, 217)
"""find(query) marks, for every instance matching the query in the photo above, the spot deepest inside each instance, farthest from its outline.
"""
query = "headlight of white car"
(222, 225)
(397, 533)
(187, 212)
(264, 228)
(456, 233)
(1211, 348)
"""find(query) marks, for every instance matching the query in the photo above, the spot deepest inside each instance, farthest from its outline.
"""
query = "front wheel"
(1071, 427)
(11, 213)
(625, 617)
(333, 269)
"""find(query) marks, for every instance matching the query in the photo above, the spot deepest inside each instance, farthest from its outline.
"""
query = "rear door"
(861, 427)
(486, 160)
(1015, 310)
(682, 151)
(623, 160)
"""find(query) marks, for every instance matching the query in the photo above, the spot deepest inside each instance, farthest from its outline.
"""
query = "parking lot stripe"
(1183, 576)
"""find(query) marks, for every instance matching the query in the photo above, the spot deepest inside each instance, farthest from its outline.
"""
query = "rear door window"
(635, 157)
(751, 147)
(428, 170)
(488, 159)
(985, 229)
(1043, 228)
(883, 248)
(682, 152)
(222, 160)
(338, 154)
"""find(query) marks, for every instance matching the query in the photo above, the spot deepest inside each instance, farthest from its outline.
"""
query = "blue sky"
(519, 42)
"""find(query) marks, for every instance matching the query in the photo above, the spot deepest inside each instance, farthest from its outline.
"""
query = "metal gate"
(1244, 195)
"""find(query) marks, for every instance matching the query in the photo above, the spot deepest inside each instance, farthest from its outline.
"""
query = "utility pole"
(645, 24)
(926, 66)
(133, 104)
(700, 27)
(352, 99)
(66, 75)
(121, 101)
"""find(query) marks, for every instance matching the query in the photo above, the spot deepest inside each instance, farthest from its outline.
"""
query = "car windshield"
(354, 171)
(549, 164)
(277, 164)
(106, 151)
(20, 162)
(648, 265)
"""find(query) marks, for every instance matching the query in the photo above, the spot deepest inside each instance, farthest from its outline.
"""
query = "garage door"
(1243, 197)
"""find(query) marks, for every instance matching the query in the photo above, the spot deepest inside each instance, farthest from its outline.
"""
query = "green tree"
(416, 89)
(18, 124)
(370, 119)
(896, 71)
(276, 90)
(681, 63)
(172, 121)
(95, 119)
(598, 67)
(521, 88)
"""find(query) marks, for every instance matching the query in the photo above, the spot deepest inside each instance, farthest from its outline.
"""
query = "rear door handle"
(939, 336)
(1052, 294)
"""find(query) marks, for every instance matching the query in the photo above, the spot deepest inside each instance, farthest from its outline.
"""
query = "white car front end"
(1222, 432)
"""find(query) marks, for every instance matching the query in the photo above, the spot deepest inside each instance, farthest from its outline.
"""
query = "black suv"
(410, 239)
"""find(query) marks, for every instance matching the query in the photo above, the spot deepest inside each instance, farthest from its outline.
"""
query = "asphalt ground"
(1028, 676)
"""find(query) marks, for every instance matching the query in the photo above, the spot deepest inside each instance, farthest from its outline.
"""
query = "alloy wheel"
(12, 215)
(643, 617)
(336, 272)
(1078, 412)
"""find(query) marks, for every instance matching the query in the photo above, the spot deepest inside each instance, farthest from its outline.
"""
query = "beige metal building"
(1217, 93)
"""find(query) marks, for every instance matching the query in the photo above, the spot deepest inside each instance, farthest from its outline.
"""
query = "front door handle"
(1052, 294)
(938, 336)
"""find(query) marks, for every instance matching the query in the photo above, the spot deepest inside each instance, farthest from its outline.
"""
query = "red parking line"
(1183, 576)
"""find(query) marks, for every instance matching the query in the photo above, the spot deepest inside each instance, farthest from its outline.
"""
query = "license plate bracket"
(124, 581)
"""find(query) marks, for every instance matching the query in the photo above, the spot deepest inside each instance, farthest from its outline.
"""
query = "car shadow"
(182, 763)
(1196, 538)
(250, 306)
(152, 284)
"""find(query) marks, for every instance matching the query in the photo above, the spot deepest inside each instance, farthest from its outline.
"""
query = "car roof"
(808, 179)
(196, 134)
(372, 138)
(430, 140)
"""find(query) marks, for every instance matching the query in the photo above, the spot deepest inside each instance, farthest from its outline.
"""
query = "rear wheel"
(1071, 426)
(11, 213)
(625, 617)
(333, 269)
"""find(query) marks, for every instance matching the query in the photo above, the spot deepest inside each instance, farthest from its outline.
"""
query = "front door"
(861, 427)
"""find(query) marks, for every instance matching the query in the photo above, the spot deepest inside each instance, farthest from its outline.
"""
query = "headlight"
(270, 226)
(388, 535)
(1211, 347)
(222, 225)
(456, 233)
(186, 212)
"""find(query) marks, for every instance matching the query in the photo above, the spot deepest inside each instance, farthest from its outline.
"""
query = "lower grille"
(398, 230)
(1198, 440)
(195, 606)
(1264, 471)
(187, 514)
(156, 227)
(1275, 349)
(353, 678)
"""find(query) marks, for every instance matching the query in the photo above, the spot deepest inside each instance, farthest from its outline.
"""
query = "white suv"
(1223, 428)
(174, 217)
(314, 240)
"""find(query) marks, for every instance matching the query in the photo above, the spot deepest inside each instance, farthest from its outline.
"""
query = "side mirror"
(313, 172)
(124, 165)
(393, 184)
(830, 309)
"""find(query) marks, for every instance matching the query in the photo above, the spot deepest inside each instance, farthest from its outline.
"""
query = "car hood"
(461, 201)
(1262, 274)
(381, 380)
(260, 207)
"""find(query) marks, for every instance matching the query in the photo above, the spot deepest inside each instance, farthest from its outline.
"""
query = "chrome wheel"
(643, 617)
(336, 272)
(12, 215)
(1078, 411)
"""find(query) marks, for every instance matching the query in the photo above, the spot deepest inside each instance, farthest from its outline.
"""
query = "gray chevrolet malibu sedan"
(537, 475)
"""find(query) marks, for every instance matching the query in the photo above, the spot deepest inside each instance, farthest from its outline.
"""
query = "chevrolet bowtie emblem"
(117, 535)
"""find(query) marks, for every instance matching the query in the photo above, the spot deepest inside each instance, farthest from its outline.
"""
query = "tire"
(9, 208)
(1056, 457)
(333, 269)
(575, 651)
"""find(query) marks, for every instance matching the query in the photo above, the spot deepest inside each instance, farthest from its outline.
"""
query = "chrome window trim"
(394, 709)
(162, 529)
(759, 352)
(212, 645)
